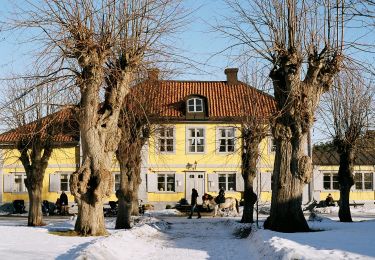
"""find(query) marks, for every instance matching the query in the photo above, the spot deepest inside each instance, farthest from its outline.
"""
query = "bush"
(168, 207)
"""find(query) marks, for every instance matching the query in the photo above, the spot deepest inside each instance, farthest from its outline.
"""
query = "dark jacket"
(63, 199)
(194, 196)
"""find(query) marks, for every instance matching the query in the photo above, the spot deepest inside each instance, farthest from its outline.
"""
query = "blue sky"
(197, 41)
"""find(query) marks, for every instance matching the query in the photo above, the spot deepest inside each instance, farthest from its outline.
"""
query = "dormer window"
(195, 105)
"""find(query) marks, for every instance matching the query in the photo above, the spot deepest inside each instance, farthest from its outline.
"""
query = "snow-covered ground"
(165, 235)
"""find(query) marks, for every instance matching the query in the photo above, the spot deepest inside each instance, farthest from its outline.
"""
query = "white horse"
(230, 204)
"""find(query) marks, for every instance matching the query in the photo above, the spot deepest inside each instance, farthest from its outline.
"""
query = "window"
(117, 181)
(226, 140)
(166, 139)
(19, 182)
(195, 105)
(330, 181)
(166, 182)
(64, 182)
(272, 145)
(363, 180)
(227, 181)
(195, 140)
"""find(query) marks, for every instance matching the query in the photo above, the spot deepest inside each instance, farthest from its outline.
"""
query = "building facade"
(195, 142)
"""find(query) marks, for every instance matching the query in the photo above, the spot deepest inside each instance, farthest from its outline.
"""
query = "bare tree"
(135, 127)
(254, 129)
(98, 45)
(347, 113)
(302, 41)
(36, 128)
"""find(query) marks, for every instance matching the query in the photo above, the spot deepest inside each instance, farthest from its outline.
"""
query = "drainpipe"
(309, 153)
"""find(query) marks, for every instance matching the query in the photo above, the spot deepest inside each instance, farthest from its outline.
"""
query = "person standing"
(64, 203)
(194, 196)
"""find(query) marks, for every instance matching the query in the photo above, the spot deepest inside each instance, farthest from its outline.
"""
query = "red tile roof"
(66, 129)
(225, 102)
(166, 100)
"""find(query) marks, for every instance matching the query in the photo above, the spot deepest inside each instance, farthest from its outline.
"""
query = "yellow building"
(326, 167)
(196, 144)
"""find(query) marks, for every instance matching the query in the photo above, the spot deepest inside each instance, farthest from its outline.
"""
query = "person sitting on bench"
(330, 201)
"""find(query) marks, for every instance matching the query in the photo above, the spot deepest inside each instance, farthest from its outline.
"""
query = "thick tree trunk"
(346, 181)
(250, 156)
(35, 164)
(291, 171)
(90, 219)
(249, 200)
(125, 198)
(91, 184)
(35, 217)
(129, 157)
(100, 136)
(296, 102)
(135, 202)
(123, 220)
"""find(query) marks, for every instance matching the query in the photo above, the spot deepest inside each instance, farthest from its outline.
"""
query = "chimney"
(153, 74)
(231, 76)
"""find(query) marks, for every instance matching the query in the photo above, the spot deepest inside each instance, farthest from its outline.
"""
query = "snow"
(168, 235)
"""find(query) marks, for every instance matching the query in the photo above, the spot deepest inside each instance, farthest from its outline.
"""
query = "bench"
(355, 204)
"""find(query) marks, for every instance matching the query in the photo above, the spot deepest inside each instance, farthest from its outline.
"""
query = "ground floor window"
(330, 181)
(117, 181)
(166, 182)
(19, 182)
(64, 181)
(227, 181)
(363, 180)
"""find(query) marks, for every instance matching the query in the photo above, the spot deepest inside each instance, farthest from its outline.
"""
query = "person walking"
(194, 196)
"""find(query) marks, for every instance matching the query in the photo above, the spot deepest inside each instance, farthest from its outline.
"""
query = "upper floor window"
(227, 181)
(195, 105)
(330, 181)
(226, 139)
(166, 139)
(195, 138)
(19, 182)
(363, 181)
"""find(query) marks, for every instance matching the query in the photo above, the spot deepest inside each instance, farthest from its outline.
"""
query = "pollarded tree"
(36, 129)
(135, 127)
(97, 45)
(347, 113)
(302, 42)
(254, 129)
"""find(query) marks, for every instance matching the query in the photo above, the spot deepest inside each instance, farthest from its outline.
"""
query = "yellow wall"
(62, 159)
(209, 162)
(355, 195)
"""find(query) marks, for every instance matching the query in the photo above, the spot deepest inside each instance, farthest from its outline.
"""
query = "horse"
(230, 204)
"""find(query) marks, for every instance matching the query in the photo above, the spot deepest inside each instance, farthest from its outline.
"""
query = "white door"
(195, 180)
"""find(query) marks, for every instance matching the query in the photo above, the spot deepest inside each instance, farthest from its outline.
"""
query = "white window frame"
(331, 174)
(114, 180)
(271, 145)
(194, 105)
(226, 138)
(165, 189)
(363, 181)
(159, 137)
(226, 180)
(23, 178)
(188, 138)
(60, 175)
